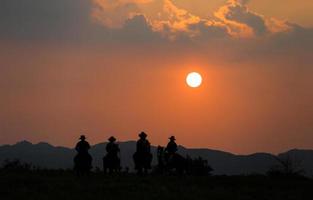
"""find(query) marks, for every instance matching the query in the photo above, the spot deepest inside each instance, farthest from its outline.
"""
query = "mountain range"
(48, 156)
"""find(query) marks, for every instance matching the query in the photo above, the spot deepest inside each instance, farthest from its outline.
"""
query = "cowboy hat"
(112, 139)
(172, 138)
(82, 137)
(142, 134)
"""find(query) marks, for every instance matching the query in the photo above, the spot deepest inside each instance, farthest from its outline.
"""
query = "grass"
(46, 185)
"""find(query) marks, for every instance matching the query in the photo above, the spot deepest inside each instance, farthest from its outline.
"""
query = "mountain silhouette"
(47, 156)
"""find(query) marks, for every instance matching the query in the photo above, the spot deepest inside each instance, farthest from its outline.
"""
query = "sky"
(118, 67)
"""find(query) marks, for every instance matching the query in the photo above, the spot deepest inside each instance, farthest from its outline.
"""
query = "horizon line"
(189, 148)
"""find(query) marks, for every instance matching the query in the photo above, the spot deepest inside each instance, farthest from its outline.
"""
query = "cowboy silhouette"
(82, 146)
(171, 147)
(170, 150)
(112, 161)
(82, 160)
(142, 156)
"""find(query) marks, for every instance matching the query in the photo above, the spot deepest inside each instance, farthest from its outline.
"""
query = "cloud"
(174, 19)
(240, 21)
(136, 20)
(136, 30)
(114, 13)
(169, 21)
(234, 19)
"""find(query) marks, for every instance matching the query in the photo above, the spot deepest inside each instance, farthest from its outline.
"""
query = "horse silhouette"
(177, 164)
(168, 163)
(142, 162)
(111, 164)
(82, 164)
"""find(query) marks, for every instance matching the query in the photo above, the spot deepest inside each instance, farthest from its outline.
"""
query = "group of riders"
(111, 161)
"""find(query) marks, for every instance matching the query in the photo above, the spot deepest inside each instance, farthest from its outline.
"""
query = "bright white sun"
(194, 79)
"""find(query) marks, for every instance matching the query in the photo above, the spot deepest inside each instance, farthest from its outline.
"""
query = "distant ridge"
(46, 155)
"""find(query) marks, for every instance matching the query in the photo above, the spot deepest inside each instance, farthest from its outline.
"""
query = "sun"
(194, 79)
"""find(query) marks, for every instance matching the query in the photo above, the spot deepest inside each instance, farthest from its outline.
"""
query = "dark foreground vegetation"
(60, 184)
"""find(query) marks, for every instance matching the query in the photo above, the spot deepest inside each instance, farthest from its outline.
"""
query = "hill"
(47, 156)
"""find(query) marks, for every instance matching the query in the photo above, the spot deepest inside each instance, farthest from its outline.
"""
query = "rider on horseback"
(143, 145)
(112, 148)
(112, 160)
(83, 159)
(169, 161)
(171, 148)
(143, 156)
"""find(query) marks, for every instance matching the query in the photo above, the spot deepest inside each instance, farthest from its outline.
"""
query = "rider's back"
(82, 147)
(171, 147)
(143, 146)
(112, 148)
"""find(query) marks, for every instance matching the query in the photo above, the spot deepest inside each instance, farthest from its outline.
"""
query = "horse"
(176, 163)
(82, 163)
(111, 163)
(142, 162)
(171, 162)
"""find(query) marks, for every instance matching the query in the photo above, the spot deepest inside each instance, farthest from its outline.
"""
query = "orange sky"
(102, 81)
(242, 106)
